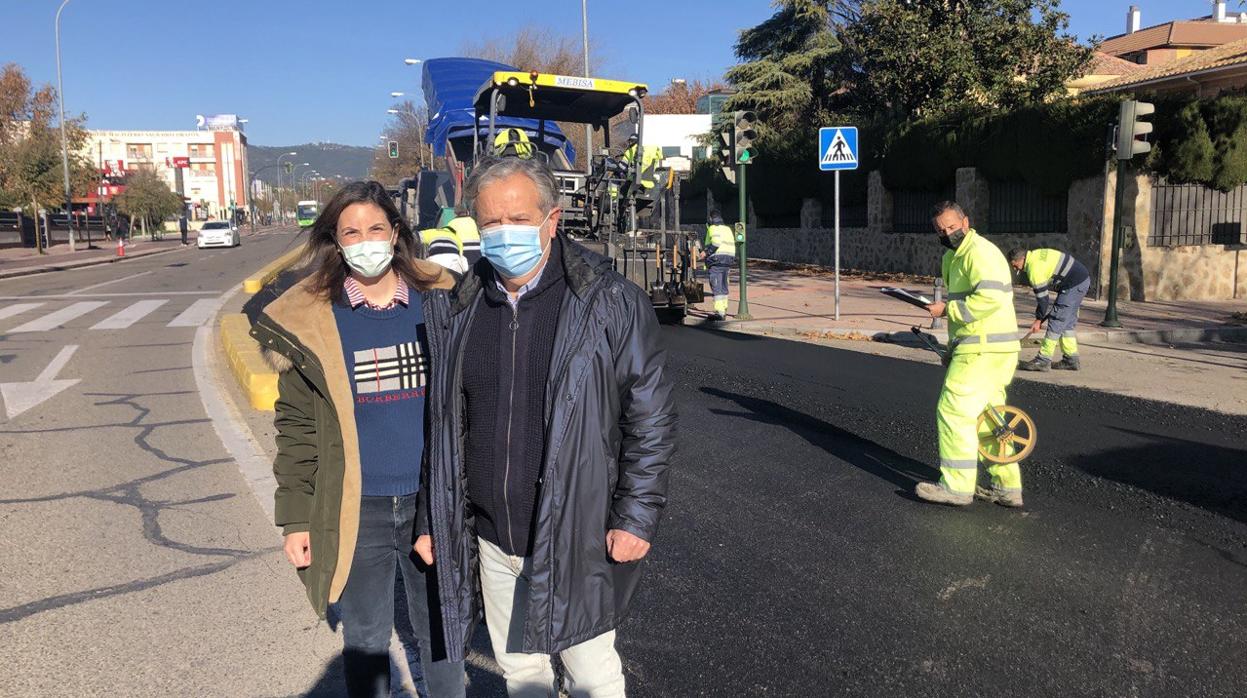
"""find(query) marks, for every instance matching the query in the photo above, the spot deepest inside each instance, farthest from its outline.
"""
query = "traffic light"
(288, 167)
(393, 149)
(744, 132)
(726, 153)
(1131, 131)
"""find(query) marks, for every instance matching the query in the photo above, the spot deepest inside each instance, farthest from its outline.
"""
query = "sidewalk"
(23, 261)
(1189, 353)
(787, 300)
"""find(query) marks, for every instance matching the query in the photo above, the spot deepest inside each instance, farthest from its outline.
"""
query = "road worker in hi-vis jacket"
(982, 357)
(1053, 271)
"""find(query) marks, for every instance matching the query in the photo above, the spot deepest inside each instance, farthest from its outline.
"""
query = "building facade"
(207, 167)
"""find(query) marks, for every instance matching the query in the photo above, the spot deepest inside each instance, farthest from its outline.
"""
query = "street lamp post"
(280, 208)
(584, 29)
(60, 89)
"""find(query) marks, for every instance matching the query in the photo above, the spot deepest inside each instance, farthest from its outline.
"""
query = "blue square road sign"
(837, 148)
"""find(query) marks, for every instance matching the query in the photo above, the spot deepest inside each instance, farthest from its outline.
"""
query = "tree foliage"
(31, 170)
(147, 198)
(787, 62)
(927, 58)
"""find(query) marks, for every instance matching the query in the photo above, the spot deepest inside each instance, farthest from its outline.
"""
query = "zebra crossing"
(118, 314)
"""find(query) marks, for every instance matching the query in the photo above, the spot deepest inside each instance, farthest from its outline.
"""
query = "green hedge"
(1049, 145)
(1201, 141)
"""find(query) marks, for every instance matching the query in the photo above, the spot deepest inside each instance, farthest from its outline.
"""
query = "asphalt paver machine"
(601, 208)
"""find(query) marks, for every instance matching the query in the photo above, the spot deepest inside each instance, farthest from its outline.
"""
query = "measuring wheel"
(1006, 434)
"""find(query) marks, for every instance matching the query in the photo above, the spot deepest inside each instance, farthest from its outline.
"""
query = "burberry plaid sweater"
(387, 362)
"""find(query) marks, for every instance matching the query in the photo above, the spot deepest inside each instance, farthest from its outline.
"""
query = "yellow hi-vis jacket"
(981, 319)
(442, 246)
(651, 156)
(720, 240)
(469, 237)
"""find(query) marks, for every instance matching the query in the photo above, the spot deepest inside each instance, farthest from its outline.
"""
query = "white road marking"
(111, 295)
(54, 320)
(17, 309)
(114, 281)
(19, 397)
(129, 316)
(197, 314)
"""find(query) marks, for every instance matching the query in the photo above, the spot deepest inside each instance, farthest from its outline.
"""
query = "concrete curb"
(254, 375)
(1217, 333)
(252, 284)
(46, 268)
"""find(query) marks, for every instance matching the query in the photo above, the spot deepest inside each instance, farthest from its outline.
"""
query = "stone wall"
(873, 248)
(1206, 272)
(1189, 272)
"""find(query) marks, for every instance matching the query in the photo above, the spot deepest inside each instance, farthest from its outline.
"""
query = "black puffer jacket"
(610, 435)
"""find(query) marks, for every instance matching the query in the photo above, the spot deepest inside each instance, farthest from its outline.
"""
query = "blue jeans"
(386, 533)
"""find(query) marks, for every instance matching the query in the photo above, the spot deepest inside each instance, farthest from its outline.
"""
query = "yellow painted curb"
(255, 376)
(260, 279)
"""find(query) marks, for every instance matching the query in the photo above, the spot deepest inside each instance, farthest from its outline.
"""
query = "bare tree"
(407, 127)
(680, 97)
(537, 48)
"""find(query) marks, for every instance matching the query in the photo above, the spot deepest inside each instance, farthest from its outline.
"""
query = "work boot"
(1067, 363)
(1002, 497)
(1038, 363)
(934, 492)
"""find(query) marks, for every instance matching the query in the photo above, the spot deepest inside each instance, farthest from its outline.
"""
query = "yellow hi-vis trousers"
(973, 382)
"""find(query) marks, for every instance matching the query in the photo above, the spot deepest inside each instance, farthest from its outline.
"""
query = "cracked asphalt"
(792, 560)
(135, 559)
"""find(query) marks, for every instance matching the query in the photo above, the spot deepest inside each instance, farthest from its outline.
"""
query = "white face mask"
(371, 258)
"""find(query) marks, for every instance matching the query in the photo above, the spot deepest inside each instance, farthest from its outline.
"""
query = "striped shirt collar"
(355, 295)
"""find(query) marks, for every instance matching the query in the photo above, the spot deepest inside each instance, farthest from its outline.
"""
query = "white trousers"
(593, 667)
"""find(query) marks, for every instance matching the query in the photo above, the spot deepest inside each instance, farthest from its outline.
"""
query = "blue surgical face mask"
(513, 250)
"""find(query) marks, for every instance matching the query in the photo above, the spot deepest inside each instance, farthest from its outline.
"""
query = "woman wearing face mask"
(351, 343)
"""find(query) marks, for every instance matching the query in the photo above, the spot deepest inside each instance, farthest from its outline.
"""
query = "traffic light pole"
(742, 309)
(1119, 203)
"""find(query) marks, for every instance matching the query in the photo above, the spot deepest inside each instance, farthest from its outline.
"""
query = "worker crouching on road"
(983, 353)
(1048, 271)
(719, 254)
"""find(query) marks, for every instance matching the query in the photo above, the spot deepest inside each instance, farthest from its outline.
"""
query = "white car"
(218, 234)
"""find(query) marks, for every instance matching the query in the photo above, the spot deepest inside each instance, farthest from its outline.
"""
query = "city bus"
(305, 212)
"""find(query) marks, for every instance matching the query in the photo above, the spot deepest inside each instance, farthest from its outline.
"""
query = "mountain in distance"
(329, 159)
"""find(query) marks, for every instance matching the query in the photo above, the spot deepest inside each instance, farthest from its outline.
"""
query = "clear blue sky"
(322, 71)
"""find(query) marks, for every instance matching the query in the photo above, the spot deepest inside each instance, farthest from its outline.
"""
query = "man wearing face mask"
(556, 429)
(983, 348)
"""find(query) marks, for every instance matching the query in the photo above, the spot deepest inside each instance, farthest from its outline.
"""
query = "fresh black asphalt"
(793, 560)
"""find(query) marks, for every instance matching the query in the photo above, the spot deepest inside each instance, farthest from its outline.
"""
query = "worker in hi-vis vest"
(719, 254)
(469, 237)
(651, 158)
(1052, 271)
(982, 357)
(513, 142)
(442, 246)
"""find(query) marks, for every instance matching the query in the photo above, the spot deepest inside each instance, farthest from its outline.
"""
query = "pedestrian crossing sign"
(837, 148)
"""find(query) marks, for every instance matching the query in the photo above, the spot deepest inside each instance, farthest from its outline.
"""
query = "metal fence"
(1193, 214)
(911, 210)
(1021, 207)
